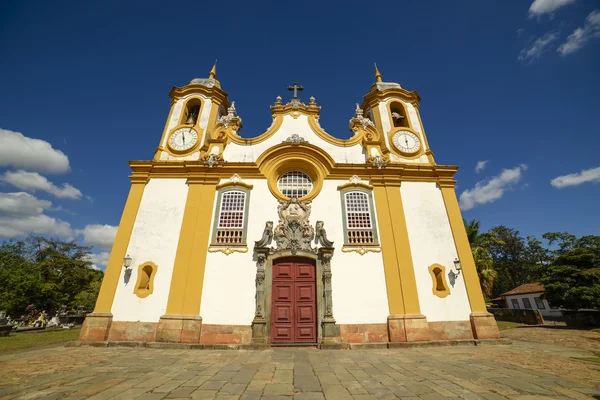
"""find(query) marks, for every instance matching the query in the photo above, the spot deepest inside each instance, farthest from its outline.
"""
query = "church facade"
(293, 236)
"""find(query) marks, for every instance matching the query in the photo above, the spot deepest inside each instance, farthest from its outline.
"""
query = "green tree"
(46, 272)
(572, 280)
(483, 260)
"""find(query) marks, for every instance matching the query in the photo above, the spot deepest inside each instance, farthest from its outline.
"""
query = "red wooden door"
(294, 305)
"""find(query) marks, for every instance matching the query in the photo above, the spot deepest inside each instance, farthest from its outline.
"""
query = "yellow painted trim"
(275, 125)
(190, 259)
(284, 157)
(160, 147)
(390, 261)
(469, 271)
(406, 269)
(436, 291)
(142, 293)
(424, 135)
(355, 185)
(115, 261)
(234, 184)
(228, 250)
(362, 250)
(316, 128)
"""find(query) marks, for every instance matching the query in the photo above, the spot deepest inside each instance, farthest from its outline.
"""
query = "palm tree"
(483, 260)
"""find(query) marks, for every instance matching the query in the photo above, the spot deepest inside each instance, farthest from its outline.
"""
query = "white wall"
(431, 242)
(358, 282)
(154, 238)
(229, 288)
(241, 153)
(546, 311)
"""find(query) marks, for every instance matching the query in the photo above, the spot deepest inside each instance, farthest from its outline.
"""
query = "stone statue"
(321, 235)
(267, 236)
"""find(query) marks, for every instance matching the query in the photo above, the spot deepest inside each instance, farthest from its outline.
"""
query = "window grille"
(230, 228)
(295, 184)
(515, 303)
(359, 227)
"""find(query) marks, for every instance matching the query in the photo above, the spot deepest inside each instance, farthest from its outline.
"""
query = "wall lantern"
(126, 265)
(453, 275)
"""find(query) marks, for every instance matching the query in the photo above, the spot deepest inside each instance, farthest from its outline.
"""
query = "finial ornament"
(213, 72)
(378, 77)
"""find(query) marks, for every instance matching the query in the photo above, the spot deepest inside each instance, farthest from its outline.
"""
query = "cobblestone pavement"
(521, 371)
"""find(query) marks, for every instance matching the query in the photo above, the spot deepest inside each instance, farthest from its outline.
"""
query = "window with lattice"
(360, 228)
(231, 219)
(295, 184)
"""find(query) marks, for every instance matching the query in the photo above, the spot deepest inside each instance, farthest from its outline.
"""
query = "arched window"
(145, 279)
(295, 184)
(359, 222)
(191, 112)
(398, 115)
(231, 218)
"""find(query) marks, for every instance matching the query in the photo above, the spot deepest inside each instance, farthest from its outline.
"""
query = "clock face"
(183, 139)
(407, 142)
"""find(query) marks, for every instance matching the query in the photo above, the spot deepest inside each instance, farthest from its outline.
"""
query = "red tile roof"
(526, 288)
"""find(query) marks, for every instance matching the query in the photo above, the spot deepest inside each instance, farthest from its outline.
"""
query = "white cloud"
(480, 166)
(99, 235)
(32, 181)
(535, 50)
(22, 204)
(99, 260)
(490, 190)
(20, 151)
(38, 224)
(580, 36)
(540, 7)
(587, 175)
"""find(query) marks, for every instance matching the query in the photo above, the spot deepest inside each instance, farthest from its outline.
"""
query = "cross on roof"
(295, 87)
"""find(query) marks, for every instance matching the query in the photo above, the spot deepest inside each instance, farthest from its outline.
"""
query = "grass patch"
(508, 324)
(18, 341)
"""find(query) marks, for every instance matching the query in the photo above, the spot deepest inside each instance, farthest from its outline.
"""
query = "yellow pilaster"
(115, 261)
(406, 270)
(469, 271)
(190, 259)
(388, 248)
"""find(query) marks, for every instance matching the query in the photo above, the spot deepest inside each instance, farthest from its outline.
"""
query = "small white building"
(529, 296)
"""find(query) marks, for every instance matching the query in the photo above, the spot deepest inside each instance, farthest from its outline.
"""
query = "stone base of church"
(96, 327)
(407, 328)
(179, 328)
(100, 327)
(226, 334)
(450, 330)
(484, 326)
(363, 333)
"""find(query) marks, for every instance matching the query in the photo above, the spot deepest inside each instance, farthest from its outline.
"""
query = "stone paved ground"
(521, 371)
(560, 334)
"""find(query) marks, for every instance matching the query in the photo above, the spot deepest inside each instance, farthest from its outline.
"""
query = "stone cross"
(295, 87)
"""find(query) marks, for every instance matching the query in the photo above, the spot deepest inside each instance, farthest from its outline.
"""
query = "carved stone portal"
(293, 234)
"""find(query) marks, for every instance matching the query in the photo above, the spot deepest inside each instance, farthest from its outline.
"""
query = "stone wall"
(524, 316)
(582, 319)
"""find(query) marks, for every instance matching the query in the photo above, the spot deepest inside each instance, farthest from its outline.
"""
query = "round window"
(295, 184)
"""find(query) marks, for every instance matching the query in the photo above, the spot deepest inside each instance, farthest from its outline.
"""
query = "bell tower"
(195, 109)
(395, 112)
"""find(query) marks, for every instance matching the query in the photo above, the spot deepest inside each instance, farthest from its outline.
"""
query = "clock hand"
(183, 138)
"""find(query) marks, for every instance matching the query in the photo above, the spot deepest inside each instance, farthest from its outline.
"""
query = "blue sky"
(513, 83)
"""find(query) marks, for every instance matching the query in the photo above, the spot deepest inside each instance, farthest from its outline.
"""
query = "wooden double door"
(293, 301)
